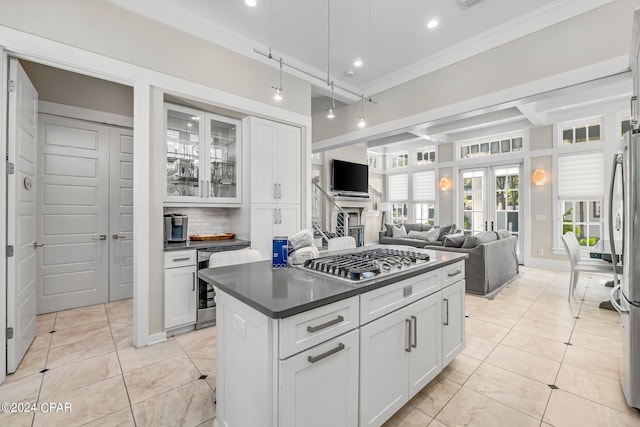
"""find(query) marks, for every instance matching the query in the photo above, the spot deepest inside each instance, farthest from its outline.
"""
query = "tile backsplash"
(205, 220)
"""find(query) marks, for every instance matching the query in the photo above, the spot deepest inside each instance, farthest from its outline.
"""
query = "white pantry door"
(74, 213)
(121, 214)
(21, 215)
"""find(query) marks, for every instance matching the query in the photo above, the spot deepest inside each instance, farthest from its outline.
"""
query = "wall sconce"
(445, 184)
(539, 177)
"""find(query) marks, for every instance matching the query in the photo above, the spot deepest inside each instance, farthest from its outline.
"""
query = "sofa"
(415, 234)
(492, 260)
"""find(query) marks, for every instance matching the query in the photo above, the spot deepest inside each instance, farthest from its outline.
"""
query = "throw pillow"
(480, 238)
(413, 227)
(399, 231)
(454, 240)
(446, 229)
(389, 228)
(420, 235)
(503, 234)
(432, 234)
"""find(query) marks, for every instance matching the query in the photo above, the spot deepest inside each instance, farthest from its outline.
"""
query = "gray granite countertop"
(280, 293)
(198, 244)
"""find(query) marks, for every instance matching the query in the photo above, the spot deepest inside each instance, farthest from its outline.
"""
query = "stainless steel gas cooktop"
(360, 267)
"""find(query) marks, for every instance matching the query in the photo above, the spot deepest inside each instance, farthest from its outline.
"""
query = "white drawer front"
(174, 259)
(384, 300)
(310, 328)
(452, 273)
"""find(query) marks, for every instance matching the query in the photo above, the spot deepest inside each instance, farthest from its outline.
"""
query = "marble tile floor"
(531, 358)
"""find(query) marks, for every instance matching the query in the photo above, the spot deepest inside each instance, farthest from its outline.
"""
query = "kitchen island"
(299, 347)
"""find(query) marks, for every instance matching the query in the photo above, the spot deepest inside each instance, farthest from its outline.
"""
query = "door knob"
(100, 237)
(37, 245)
(118, 236)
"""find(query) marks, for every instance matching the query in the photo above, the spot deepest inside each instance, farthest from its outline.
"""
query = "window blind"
(398, 188)
(424, 186)
(581, 176)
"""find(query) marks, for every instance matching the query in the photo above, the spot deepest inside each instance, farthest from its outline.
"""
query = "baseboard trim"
(156, 338)
(551, 264)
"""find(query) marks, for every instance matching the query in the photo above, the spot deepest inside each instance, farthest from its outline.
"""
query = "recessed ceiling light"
(250, 3)
(357, 63)
(349, 73)
(433, 23)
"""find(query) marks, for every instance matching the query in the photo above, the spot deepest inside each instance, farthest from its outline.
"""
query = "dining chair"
(240, 256)
(578, 264)
(337, 243)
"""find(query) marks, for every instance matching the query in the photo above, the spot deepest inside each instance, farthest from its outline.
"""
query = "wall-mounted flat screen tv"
(349, 177)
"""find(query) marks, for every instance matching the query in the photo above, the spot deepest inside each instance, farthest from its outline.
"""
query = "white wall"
(586, 47)
(100, 27)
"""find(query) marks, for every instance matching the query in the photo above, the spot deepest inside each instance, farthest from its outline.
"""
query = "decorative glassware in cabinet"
(222, 158)
(183, 145)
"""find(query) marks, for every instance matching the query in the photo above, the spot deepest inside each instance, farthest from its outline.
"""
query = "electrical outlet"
(540, 252)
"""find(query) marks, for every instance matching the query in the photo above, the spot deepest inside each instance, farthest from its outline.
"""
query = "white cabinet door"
(263, 161)
(288, 163)
(263, 227)
(222, 160)
(384, 345)
(179, 296)
(425, 357)
(452, 321)
(288, 220)
(184, 133)
(319, 387)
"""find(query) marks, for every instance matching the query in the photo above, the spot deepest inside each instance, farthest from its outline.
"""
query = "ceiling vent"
(467, 3)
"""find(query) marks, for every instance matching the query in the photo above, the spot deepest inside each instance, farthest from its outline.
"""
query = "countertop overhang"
(203, 244)
(280, 293)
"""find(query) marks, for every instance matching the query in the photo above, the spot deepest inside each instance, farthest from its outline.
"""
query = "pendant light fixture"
(278, 93)
(362, 123)
(330, 113)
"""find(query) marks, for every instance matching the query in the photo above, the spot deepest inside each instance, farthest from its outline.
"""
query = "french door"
(490, 200)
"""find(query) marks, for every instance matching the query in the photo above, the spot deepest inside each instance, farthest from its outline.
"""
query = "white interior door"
(21, 215)
(491, 201)
(121, 214)
(74, 215)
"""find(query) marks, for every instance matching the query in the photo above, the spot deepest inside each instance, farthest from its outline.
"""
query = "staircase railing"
(342, 218)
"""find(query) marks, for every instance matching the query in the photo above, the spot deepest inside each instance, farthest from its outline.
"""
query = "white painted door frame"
(59, 55)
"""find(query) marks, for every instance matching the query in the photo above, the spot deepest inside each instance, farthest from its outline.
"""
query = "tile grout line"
(564, 354)
(46, 361)
(126, 389)
(478, 367)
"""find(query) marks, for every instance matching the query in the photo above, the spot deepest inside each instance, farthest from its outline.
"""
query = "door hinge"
(9, 333)
(9, 251)
(11, 168)
(12, 86)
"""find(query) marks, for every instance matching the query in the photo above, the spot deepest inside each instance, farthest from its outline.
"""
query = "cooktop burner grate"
(368, 264)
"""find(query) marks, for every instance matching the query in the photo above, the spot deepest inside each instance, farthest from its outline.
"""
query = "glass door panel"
(183, 153)
(491, 201)
(473, 210)
(223, 153)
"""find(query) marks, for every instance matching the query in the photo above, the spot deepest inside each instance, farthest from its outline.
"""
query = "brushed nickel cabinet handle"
(415, 331)
(455, 273)
(312, 329)
(314, 359)
(408, 323)
(446, 321)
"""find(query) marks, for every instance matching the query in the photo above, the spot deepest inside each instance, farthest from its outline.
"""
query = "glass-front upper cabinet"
(223, 149)
(203, 153)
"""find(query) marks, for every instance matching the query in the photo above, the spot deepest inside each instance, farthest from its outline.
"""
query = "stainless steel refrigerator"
(625, 296)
